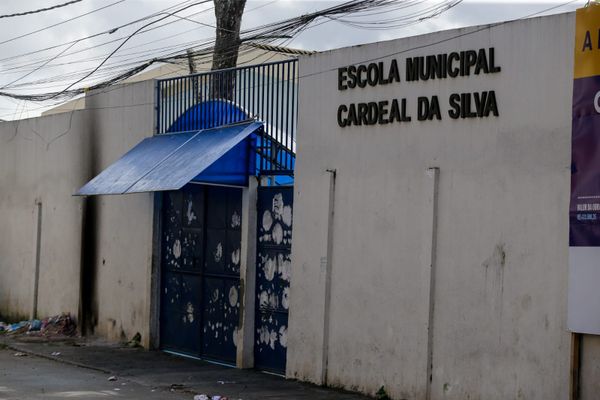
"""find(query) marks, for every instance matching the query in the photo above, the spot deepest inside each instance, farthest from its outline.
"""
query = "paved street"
(80, 370)
(30, 377)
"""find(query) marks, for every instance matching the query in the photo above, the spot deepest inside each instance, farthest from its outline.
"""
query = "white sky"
(325, 36)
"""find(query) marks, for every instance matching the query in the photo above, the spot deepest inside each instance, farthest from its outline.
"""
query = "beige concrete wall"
(590, 367)
(41, 161)
(498, 328)
(122, 117)
(47, 159)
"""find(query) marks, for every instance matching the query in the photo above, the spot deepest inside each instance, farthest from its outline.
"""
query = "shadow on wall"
(88, 299)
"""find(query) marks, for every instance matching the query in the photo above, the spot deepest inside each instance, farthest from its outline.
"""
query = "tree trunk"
(229, 20)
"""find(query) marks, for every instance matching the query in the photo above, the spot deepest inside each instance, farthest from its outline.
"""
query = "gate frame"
(155, 273)
(245, 348)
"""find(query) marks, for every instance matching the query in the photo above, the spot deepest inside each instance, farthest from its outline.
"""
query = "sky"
(28, 73)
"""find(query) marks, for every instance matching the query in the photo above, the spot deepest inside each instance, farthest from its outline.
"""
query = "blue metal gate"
(273, 270)
(201, 240)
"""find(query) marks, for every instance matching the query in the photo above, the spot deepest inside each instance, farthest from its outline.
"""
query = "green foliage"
(382, 394)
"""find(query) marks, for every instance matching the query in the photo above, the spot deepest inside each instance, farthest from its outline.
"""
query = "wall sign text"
(422, 68)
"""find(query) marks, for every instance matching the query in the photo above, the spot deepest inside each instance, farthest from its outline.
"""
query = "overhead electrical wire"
(13, 67)
(199, 60)
(39, 10)
(187, 45)
(61, 23)
(122, 44)
(104, 32)
(464, 34)
(104, 90)
(265, 34)
(445, 40)
(38, 68)
(489, 26)
(288, 27)
(9, 67)
(182, 46)
(74, 42)
(125, 55)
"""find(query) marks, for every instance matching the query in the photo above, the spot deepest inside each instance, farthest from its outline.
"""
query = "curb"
(186, 390)
(57, 359)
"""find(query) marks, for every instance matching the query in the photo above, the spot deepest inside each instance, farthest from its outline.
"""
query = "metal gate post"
(245, 347)
(155, 273)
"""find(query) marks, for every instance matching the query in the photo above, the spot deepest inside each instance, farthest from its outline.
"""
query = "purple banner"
(584, 211)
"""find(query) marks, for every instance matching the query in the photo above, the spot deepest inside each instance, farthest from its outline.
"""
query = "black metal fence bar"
(265, 92)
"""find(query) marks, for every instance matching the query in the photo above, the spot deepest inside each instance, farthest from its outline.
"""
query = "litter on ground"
(53, 326)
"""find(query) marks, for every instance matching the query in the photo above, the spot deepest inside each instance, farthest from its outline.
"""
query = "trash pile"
(206, 397)
(58, 325)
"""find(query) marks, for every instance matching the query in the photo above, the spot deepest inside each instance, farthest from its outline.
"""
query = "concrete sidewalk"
(164, 371)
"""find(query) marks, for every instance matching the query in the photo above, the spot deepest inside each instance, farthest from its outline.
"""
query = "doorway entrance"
(200, 271)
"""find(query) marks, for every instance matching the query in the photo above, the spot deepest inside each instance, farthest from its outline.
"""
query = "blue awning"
(170, 161)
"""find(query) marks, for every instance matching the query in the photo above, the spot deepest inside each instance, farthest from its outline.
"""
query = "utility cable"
(296, 25)
(264, 33)
(39, 10)
(39, 67)
(123, 43)
(61, 23)
(34, 62)
(169, 47)
(188, 18)
(108, 31)
(288, 24)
